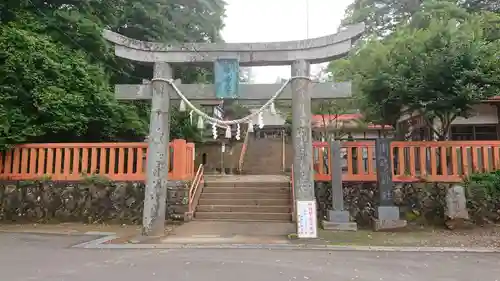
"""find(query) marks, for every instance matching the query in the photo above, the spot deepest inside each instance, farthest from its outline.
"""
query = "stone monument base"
(340, 226)
(388, 225)
(340, 221)
(388, 219)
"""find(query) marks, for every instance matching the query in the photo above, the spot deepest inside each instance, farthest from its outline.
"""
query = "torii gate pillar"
(303, 175)
(153, 217)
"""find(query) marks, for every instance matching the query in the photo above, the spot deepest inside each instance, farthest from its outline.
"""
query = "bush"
(483, 197)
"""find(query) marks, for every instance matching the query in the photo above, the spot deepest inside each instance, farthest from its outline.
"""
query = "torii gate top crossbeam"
(316, 50)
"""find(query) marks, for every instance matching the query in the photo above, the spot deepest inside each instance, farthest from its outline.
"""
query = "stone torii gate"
(299, 54)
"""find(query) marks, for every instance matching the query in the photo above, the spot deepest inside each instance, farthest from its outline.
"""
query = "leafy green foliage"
(51, 92)
(57, 72)
(182, 128)
(450, 69)
(370, 71)
(490, 182)
(483, 196)
(382, 17)
(481, 5)
(330, 112)
(439, 65)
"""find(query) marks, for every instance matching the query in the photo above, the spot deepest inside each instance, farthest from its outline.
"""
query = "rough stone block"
(340, 226)
(456, 203)
(338, 216)
(84, 201)
(388, 213)
(388, 219)
(388, 225)
(188, 216)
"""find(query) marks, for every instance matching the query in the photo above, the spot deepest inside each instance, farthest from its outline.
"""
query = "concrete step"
(264, 163)
(244, 220)
(245, 202)
(205, 195)
(259, 169)
(258, 189)
(244, 216)
(252, 171)
(269, 166)
(244, 209)
(246, 183)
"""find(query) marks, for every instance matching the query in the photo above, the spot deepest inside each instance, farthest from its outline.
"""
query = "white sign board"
(306, 219)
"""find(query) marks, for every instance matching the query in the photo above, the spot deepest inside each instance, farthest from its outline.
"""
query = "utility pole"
(307, 19)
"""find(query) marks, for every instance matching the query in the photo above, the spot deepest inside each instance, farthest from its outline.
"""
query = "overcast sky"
(280, 20)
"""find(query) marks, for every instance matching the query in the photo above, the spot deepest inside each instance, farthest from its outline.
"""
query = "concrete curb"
(100, 244)
(94, 244)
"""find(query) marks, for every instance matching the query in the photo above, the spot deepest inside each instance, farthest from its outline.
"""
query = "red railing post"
(190, 157)
(179, 159)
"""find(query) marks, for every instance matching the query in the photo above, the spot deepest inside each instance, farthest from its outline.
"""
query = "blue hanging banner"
(227, 78)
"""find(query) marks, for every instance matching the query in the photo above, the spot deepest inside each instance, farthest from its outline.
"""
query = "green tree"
(481, 5)
(330, 112)
(439, 71)
(382, 17)
(49, 92)
(57, 70)
(184, 127)
(459, 69)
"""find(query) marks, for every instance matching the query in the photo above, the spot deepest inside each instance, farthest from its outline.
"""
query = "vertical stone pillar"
(338, 218)
(388, 214)
(153, 221)
(336, 174)
(303, 175)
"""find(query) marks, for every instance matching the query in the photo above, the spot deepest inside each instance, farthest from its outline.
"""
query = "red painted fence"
(69, 161)
(448, 161)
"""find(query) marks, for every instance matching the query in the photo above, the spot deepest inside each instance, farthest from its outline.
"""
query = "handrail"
(243, 151)
(294, 217)
(195, 189)
(283, 151)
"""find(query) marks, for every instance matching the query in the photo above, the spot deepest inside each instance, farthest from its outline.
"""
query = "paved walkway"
(36, 257)
(231, 232)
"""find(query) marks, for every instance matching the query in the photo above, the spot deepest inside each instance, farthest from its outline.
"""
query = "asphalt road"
(50, 258)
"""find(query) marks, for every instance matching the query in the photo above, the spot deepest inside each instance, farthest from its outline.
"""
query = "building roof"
(495, 98)
(344, 120)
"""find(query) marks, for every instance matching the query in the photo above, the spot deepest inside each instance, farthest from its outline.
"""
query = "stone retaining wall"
(422, 203)
(89, 201)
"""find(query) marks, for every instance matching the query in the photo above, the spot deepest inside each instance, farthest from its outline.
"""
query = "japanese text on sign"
(306, 219)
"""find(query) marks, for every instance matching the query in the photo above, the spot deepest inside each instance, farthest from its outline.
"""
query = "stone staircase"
(245, 198)
(263, 157)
